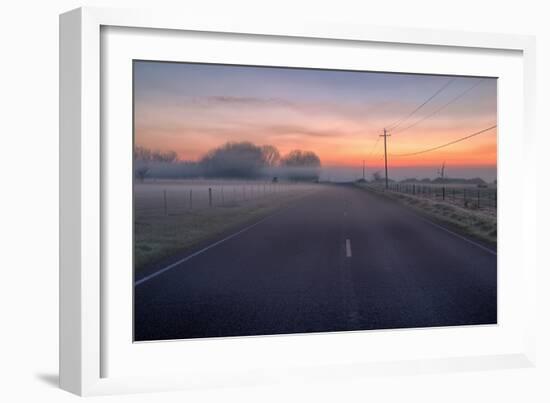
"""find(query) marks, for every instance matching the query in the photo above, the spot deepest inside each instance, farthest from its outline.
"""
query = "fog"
(188, 170)
(347, 174)
(244, 160)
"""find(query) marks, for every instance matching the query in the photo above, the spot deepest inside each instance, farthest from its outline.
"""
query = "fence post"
(165, 203)
(465, 199)
(190, 199)
(443, 192)
(414, 189)
(209, 197)
(453, 193)
(223, 198)
(496, 199)
(478, 198)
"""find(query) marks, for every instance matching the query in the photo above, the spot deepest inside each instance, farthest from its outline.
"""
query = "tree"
(142, 154)
(301, 165)
(141, 172)
(242, 159)
(167, 156)
(299, 158)
(147, 155)
(149, 162)
(271, 155)
(377, 176)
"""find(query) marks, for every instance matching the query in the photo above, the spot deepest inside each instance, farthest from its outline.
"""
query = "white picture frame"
(85, 346)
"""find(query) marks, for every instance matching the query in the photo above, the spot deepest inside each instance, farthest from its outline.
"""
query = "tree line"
(231, 160)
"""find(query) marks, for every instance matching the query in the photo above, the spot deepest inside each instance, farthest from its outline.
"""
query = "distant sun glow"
(339, 115)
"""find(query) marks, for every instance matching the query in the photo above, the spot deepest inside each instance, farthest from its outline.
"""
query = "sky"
(339, 115)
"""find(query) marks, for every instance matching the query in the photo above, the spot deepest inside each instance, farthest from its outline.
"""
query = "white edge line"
(348, 248)
(458, 235)
(185, 259)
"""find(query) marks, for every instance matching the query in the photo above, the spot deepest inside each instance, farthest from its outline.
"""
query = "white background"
(29, 126)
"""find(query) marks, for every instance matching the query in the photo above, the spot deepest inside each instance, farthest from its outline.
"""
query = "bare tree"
(141, 172)
(271, 155)
(147, 155)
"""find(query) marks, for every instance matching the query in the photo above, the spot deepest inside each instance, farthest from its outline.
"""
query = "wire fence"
(468, 197)
(182, 198)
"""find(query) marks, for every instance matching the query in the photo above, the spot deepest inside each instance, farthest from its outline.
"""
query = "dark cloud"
(283, 130)
(247, 101)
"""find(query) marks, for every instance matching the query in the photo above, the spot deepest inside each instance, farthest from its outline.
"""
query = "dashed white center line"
(348, 248)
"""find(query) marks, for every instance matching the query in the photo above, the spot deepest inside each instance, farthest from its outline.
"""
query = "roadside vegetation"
(480, 223)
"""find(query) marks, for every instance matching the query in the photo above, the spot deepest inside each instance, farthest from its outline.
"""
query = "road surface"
(339, 259)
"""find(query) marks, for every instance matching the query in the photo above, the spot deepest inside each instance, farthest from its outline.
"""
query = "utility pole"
(363, 169)
(441, 172)
(385, 135)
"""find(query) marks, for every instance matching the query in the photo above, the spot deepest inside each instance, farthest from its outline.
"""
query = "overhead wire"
(446, 144)
(406, 117)
(456, 98)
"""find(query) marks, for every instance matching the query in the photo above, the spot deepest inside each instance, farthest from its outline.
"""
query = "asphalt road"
(339, 259)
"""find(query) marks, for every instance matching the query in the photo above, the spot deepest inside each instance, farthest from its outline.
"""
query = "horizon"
(193, 108)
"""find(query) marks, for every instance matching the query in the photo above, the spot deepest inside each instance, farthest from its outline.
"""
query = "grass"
(478, 223)
(158, 236)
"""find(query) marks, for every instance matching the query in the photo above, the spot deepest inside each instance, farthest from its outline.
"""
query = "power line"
(441, 108)
(374, 147)
(446, 144)
(398, 123)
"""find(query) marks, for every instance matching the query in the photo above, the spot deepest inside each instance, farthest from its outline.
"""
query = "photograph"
(275, 200)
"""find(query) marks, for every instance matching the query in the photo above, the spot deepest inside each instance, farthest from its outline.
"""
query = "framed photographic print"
(243, 202)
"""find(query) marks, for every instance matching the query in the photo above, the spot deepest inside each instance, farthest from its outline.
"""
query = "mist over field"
(189, 170)
(348, 174)
(245, 160)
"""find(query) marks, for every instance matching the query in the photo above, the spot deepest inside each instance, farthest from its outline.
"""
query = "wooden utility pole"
(385, 135)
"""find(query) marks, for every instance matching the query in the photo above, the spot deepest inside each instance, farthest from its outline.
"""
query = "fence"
(469, 197)
(182, 198)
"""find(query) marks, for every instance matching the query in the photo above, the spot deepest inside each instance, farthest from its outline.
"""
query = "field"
(467, 208)
(172, 215)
